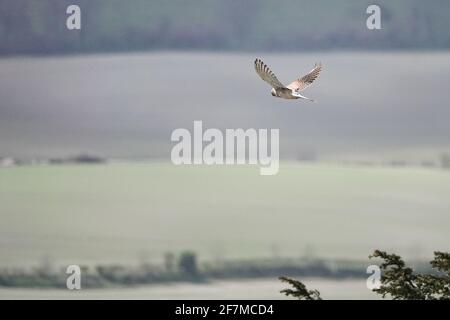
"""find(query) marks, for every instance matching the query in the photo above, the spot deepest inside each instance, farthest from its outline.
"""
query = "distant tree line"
(39, 27)
(184, 267)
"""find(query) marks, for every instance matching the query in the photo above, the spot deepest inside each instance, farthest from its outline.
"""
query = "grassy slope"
(119, 212)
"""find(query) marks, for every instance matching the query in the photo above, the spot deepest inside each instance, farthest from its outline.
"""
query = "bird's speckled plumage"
(292, 91)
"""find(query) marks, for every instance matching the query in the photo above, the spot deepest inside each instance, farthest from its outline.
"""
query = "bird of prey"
(292, 91)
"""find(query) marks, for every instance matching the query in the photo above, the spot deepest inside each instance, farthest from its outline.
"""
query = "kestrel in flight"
(292, 91)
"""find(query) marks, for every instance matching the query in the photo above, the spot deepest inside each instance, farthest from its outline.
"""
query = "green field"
(129, 212)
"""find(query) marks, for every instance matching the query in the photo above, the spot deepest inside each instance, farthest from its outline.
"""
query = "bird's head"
(273, 92)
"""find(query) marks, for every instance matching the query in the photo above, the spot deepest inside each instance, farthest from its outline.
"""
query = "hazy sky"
(369, 104)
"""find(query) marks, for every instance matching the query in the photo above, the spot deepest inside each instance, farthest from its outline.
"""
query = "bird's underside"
(284, 93)
(291, 91)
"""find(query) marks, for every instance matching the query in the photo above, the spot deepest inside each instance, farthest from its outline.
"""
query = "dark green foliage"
(401, 283)
(397, 281)
(300, 292)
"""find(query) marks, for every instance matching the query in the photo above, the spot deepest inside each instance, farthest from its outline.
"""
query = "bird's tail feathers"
(298, 95)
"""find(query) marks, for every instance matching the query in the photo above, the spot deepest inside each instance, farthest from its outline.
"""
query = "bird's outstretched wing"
(306, 80)
(267, 75)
